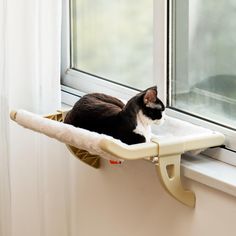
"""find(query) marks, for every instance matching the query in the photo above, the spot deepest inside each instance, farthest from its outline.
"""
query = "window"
(185, 47)
(204, 58)
(113, 40)
(202, 80)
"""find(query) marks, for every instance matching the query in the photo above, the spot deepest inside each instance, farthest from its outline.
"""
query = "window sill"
(210, 172)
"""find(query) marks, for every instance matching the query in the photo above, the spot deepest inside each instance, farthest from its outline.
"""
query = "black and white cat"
(131, 123)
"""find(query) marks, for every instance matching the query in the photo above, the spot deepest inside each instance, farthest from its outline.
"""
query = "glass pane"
(114, 40)
(204, 80)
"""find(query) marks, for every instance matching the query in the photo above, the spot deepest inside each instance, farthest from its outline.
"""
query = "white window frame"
(73, 78)
(230, 134)
(162, 69)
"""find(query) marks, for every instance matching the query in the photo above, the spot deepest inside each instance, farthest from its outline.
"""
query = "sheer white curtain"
(5, 197)
(30, 165)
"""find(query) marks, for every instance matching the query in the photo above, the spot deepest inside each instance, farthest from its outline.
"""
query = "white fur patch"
(143, 126)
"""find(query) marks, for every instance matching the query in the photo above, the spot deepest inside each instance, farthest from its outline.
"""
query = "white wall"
(128, 200)
(58, 195)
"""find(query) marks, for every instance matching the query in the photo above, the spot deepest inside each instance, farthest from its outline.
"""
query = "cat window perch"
(175, 138)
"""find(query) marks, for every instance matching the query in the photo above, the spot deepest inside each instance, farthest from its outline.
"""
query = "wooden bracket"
(84, 156)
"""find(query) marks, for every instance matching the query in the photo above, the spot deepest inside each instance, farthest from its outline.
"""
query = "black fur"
(108, 115)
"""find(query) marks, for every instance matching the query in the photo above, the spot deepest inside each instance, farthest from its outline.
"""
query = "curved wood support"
(168, 168)
(84, 156)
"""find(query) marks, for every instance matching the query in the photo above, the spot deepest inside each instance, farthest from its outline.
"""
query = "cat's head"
(152, 107)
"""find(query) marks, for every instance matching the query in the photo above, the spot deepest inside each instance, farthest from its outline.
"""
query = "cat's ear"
(150, 96)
